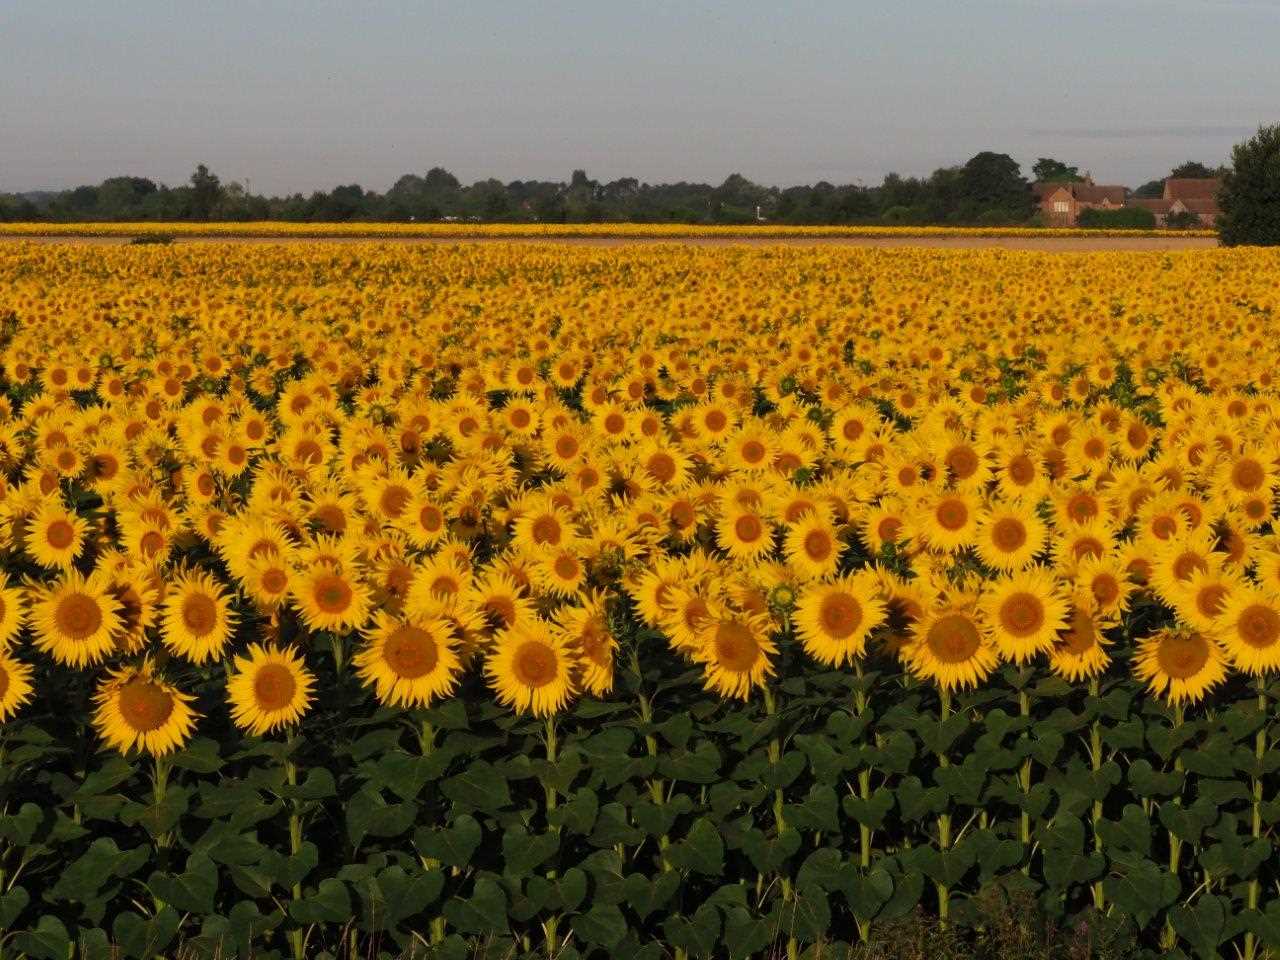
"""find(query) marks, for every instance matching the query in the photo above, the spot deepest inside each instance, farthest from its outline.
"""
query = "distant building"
(1061, 203)
(1184, 195)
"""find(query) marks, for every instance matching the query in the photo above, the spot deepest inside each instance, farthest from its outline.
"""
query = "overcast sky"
(300, 96)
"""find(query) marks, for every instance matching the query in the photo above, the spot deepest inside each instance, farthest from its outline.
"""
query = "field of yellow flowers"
(539, 600)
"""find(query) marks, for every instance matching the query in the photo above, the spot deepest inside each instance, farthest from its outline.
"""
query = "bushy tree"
(1250, 194)
(1048, 170)
(1123, 218)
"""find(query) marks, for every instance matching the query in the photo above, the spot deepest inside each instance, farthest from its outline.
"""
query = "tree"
(993, 182)
(1193, 171)
(206, 191)
(1250, 194)
(1048, 170)
(1151, 190)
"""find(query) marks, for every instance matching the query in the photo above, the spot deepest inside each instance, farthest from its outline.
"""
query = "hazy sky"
(294, 95)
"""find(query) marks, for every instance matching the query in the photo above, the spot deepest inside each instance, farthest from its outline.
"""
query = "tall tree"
(206, 191)
(993, 183)
(1048, 170)
(1250, 194)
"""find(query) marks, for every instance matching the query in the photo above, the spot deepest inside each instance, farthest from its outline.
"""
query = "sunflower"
(198, 620)
(834, 619)
(1108, 581)
(532, 669)
(1249, 628)
(330, 599)
(744, 534)
(409, 662)
(137, 709)
(735, 650)
(949, 521)
(1024, 613)
(950, 646)
(137, 594)
(15, 685)
(75, 620)
(1080, 652)
(1010, 536)
(55, 535)
(1181, 664)
(586, 628)
(13, 612)
(813, 547)
(561, 572)
(270, 689)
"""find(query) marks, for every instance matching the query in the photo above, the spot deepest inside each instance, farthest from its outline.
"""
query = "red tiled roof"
(1095, 193)
(1187, 188)
(1199, 206)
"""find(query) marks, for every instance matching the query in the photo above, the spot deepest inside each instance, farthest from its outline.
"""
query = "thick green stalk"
(551, 927)
(1095, 759)
(1024, 775)
(295, 844)
(944, 819)
(1259, 752)
(864, 792)
(1170, 936)
(775, 756)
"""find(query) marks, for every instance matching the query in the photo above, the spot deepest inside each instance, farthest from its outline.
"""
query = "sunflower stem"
(780, 822)
(295, 838)
(1170, 936)
(944, 819)
(1095, 760)
(1024, 775)
(551, 927)
(1259, 753)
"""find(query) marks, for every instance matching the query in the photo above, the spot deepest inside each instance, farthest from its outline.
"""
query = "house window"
(1061, 206)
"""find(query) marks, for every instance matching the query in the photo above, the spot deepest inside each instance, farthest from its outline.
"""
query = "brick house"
(1184, 195)
(1061, 203)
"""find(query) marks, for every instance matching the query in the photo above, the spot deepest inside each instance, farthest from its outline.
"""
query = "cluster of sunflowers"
(434, 460)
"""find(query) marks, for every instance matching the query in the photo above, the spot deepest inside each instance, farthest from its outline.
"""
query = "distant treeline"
(989, 189)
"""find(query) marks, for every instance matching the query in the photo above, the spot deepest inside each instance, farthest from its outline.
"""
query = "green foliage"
(665, 821)
(1122, 218)
(1250, 195)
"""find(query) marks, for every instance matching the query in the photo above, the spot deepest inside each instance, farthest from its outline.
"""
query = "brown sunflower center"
(199, 614)
(546, 529)
(332, 593)
(566, 447)
(1105, 588)
(1182, 655)
(1082, 507)
(274, 686)
(535, 663)
(394, 499)
(1210, 599)
(1259, 626)
(953, 638)
(748, 528)
(753, 451)
(662, 467)
(78, 616)
(566, 567)
(737, 649)
(145, 705)
(1022, 614)
(1008, 534)
(1021, 470)
(963, 462)
(1247, 474)
(840, 615)
(952, 514)
(410, 652)
(818, 545)
(60, 534)
(274, 580)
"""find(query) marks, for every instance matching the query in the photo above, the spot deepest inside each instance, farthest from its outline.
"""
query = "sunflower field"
(532, 600)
